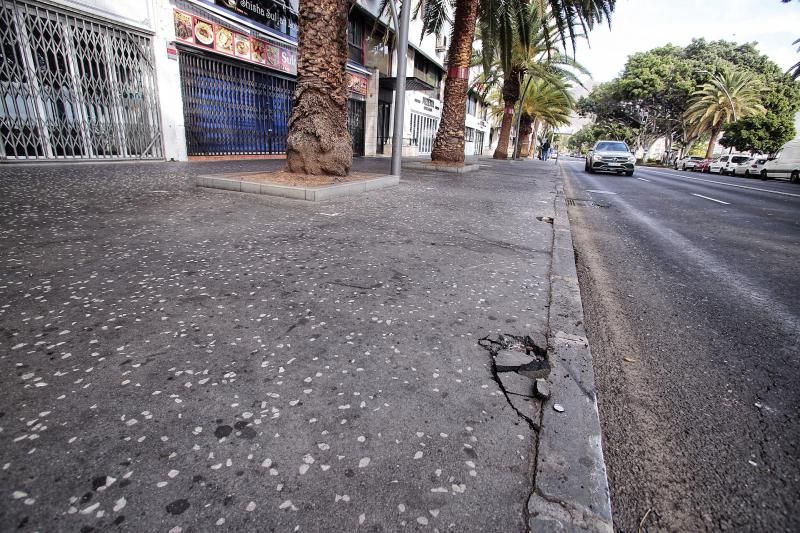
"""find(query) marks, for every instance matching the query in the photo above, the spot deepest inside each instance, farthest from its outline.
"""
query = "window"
(469, 134)
(611, 147)
(355, 39)
(378, 50)
(472, 105)
(429, 72)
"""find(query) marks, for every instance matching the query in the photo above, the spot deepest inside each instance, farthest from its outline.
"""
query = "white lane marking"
(728, 184)
(758, 296)
(709, 198)
(599, 191)
(648, 181)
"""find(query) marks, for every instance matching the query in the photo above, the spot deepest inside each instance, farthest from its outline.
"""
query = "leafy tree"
(769, 132)
(652, 94)
(656, 85)
(589, 134)
(581, 139)
(732, 96)
(764, 134)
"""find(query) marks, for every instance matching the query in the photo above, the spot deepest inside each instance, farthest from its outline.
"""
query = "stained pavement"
(182, 359)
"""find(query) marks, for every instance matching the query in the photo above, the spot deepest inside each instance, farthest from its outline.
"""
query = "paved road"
(691, 293)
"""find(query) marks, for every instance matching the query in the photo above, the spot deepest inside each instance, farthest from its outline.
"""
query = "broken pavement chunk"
(513, 383)
(541, 388)
(512, 358)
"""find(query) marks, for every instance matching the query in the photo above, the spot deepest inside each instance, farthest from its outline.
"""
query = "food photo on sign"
(183, 27)
(241, 46)
(257, 51)
(224, 40)
(204, 32)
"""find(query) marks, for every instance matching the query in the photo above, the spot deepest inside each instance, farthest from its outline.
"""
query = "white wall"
(137, 13)
(168, 78)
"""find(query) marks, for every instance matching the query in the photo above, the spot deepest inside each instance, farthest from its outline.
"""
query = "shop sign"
(207, 35)
(357, 84)
(172, 52)
(279, 15)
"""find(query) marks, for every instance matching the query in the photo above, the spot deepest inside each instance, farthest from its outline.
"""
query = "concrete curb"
(309, 194)
(570, 490)
(441, 168)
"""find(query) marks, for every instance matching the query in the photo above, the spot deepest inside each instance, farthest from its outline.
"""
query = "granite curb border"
(309, 194)
(570, 486)
(472, 167)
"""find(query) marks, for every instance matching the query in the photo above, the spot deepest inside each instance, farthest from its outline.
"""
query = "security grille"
(355, 125)
(478, 143)
(74, 88)
(231, 110)
(423, 131)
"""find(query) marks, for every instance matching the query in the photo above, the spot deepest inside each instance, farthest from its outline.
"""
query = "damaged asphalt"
(179, 359)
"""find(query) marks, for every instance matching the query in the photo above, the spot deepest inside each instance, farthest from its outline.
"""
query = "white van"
(785, 165)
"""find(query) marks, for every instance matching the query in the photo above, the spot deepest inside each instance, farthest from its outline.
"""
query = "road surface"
(692, 300)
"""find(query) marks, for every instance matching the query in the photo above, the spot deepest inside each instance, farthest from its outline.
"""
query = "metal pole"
(400, 88)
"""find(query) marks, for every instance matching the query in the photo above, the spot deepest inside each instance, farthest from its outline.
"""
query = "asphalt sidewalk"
(184, 359)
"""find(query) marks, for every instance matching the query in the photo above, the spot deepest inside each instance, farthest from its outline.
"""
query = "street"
(689, 285)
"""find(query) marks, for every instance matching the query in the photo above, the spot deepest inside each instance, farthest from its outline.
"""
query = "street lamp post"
(400, 88)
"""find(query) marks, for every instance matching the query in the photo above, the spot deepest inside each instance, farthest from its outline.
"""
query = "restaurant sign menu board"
(357, 84)
(207, 35)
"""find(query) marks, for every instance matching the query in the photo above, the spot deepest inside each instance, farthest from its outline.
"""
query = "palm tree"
(569, 19)
(794, 70)
(449, 142)
(318, 140)
(517, 44)
(547, 104)
(725, 99)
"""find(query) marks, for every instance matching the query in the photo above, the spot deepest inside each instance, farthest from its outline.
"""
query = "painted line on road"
(648, 181)
(709, 198)
(723, 183)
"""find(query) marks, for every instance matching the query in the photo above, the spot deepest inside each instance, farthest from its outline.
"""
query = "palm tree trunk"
(511, 90)
(524, 134)
(534, 132)
(715, 131)
(501, 152)
(318, 141)
(449, 142)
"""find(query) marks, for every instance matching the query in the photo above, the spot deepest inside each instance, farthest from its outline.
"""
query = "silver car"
(610, 156)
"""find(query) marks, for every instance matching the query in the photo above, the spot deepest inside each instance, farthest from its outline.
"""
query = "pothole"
(517, 361)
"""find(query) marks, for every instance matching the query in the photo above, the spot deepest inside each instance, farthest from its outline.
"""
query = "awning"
(412, 84)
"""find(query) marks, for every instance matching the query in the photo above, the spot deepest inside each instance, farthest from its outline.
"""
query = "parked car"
(688, 162)
(703, 166)
(751, 167)
(610, 156)
(785, 164)
(724, 165)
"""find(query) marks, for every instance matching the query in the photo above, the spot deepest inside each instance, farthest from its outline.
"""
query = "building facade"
(195, 79)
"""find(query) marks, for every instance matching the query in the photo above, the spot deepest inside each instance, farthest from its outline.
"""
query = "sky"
(640, 25)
